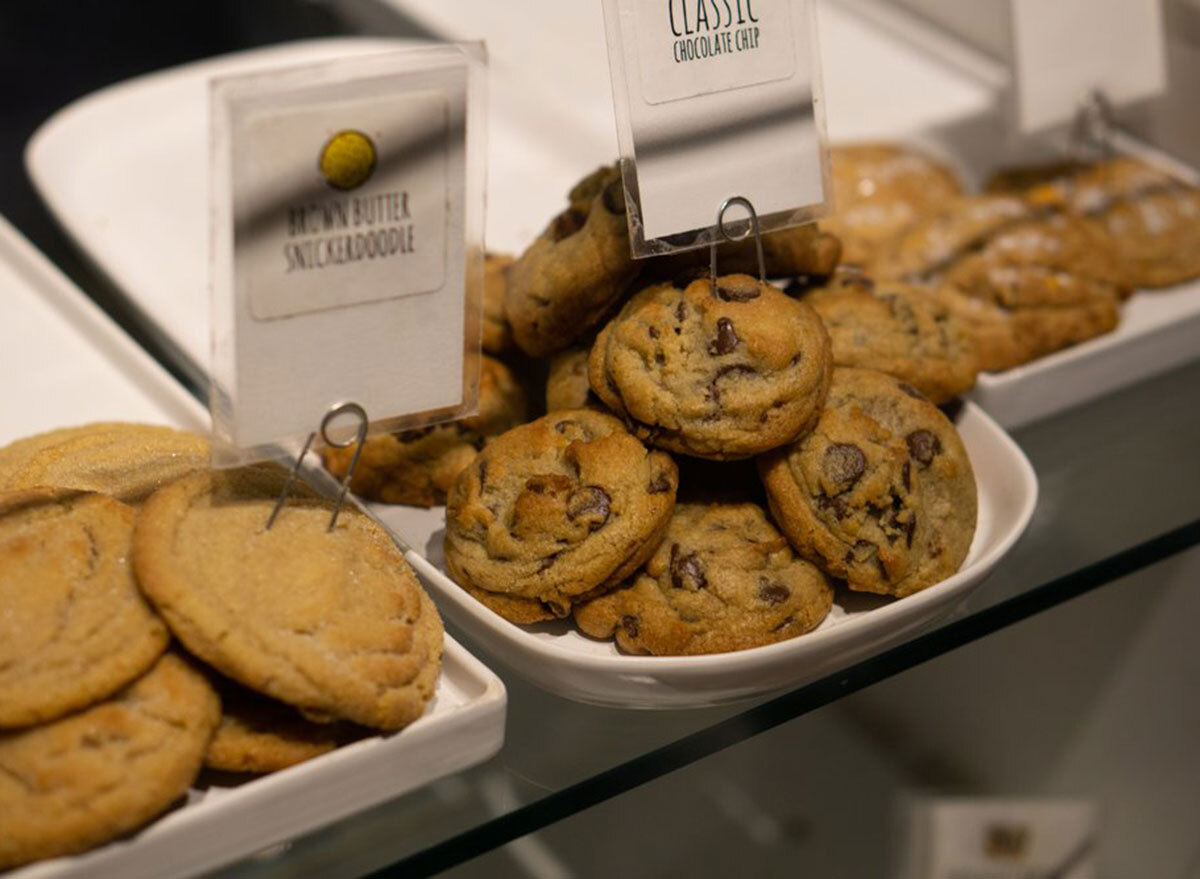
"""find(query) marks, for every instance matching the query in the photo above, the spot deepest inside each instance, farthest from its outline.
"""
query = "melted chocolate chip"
(482, 473)
(844, 464)
(653, 331)
(923, 446)
(630, 625)
(726, 339)
(738, 294)
(659, 485)
(660, 358)
(681, 311)
(614, 197)
(906, 475)
(909, 527)
(687, 571)
(773, 593)
(591, 504)
(836, 504)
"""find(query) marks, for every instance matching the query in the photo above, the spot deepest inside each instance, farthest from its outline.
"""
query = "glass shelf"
(1120, 491)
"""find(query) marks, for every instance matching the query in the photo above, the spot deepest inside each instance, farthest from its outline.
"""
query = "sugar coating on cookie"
(899, 329)
(125, 461)
(94, 776)
(722, 579)
(73, 626)
(721, 374)
(555, 509)
(334, 623)
(881, 493)
(879, 190)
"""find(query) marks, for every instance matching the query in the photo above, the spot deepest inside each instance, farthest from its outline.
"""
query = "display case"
(1063, 673)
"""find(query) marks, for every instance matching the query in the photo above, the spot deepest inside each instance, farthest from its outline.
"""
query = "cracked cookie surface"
(555, 509)
(576, 270)
(73, 626)
(333, 623)
(417, 467)
(91, 777)
(898, 329)
(719, 375)
(881, 493)
(722, 579)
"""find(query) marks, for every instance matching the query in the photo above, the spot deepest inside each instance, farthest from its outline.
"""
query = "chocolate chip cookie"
(332, 622)
(879, 190)
(899, 329)
(417, 467)
(722, 579)
(718, 374)
(567, 382)
(576, 270)
(881, 493)
(73, 626)
(94, 776)
(554, 510)
(497, 334)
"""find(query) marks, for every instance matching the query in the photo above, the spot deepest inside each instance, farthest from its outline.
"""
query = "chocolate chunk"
(653, 331)
(731, 293)
(567, 224)
(906, 475)
(836, 504)
(614, 197)
(844, 464)
(681, 311)
(659, 485)
(630, 625)
(909, 527)
(660, 358)
(923, 446)
(726, 339)
(771, 592)
(687, 571)
(591, 504)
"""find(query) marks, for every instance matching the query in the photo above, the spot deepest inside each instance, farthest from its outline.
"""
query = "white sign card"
(1064, 49)
(716, 99)
(347, 246)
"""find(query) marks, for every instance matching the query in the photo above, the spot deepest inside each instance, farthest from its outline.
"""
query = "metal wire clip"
(360, 437)
(751, 229)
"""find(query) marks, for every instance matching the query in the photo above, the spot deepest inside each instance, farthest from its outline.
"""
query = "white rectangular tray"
(561, 659)
(67, 363)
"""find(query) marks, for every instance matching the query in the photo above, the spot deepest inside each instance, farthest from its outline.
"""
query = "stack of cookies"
(583, 513)
(152, 626)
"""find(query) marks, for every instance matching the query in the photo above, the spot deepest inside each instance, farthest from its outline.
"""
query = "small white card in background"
(1063, 49)
(716, 99)
(997, 838)
(347, 206)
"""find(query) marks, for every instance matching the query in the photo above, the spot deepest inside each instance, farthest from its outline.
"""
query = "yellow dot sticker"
(348, 160)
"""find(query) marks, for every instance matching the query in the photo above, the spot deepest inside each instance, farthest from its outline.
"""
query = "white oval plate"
(559, 658)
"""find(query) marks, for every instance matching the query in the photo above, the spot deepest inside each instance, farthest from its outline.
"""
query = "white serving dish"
(564, 661)
(67, 363)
